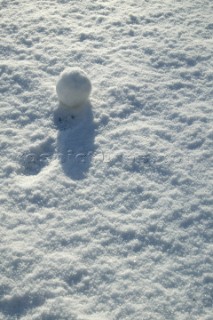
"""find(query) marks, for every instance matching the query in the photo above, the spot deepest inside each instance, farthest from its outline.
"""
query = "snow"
(73, 87)
(106, 210)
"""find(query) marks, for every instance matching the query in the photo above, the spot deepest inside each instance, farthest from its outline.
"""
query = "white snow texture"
(106, 209)
(73, 87)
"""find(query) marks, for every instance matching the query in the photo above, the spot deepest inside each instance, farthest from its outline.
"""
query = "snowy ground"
(106, 214)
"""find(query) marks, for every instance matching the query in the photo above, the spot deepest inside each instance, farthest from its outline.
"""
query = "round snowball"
(73, 87)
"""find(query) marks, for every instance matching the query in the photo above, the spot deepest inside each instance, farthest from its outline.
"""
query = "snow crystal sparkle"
(73, 87)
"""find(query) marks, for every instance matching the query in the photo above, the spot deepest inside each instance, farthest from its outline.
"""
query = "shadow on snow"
(75, 141)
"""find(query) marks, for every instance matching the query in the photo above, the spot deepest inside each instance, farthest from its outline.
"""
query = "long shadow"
(75, 141)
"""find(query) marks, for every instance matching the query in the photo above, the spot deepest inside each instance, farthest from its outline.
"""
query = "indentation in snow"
(37, 157)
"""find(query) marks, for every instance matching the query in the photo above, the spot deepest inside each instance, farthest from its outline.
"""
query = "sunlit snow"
(106, 206)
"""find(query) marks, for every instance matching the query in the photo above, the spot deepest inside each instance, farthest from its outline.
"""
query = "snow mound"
(73, 87)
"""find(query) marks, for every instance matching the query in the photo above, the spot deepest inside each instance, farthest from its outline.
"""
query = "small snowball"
(73, 87)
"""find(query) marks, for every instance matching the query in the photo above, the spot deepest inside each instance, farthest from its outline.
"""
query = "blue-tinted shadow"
(75, 141)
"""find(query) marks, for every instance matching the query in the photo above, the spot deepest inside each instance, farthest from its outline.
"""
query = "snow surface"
(73, 87)
(106, 212)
